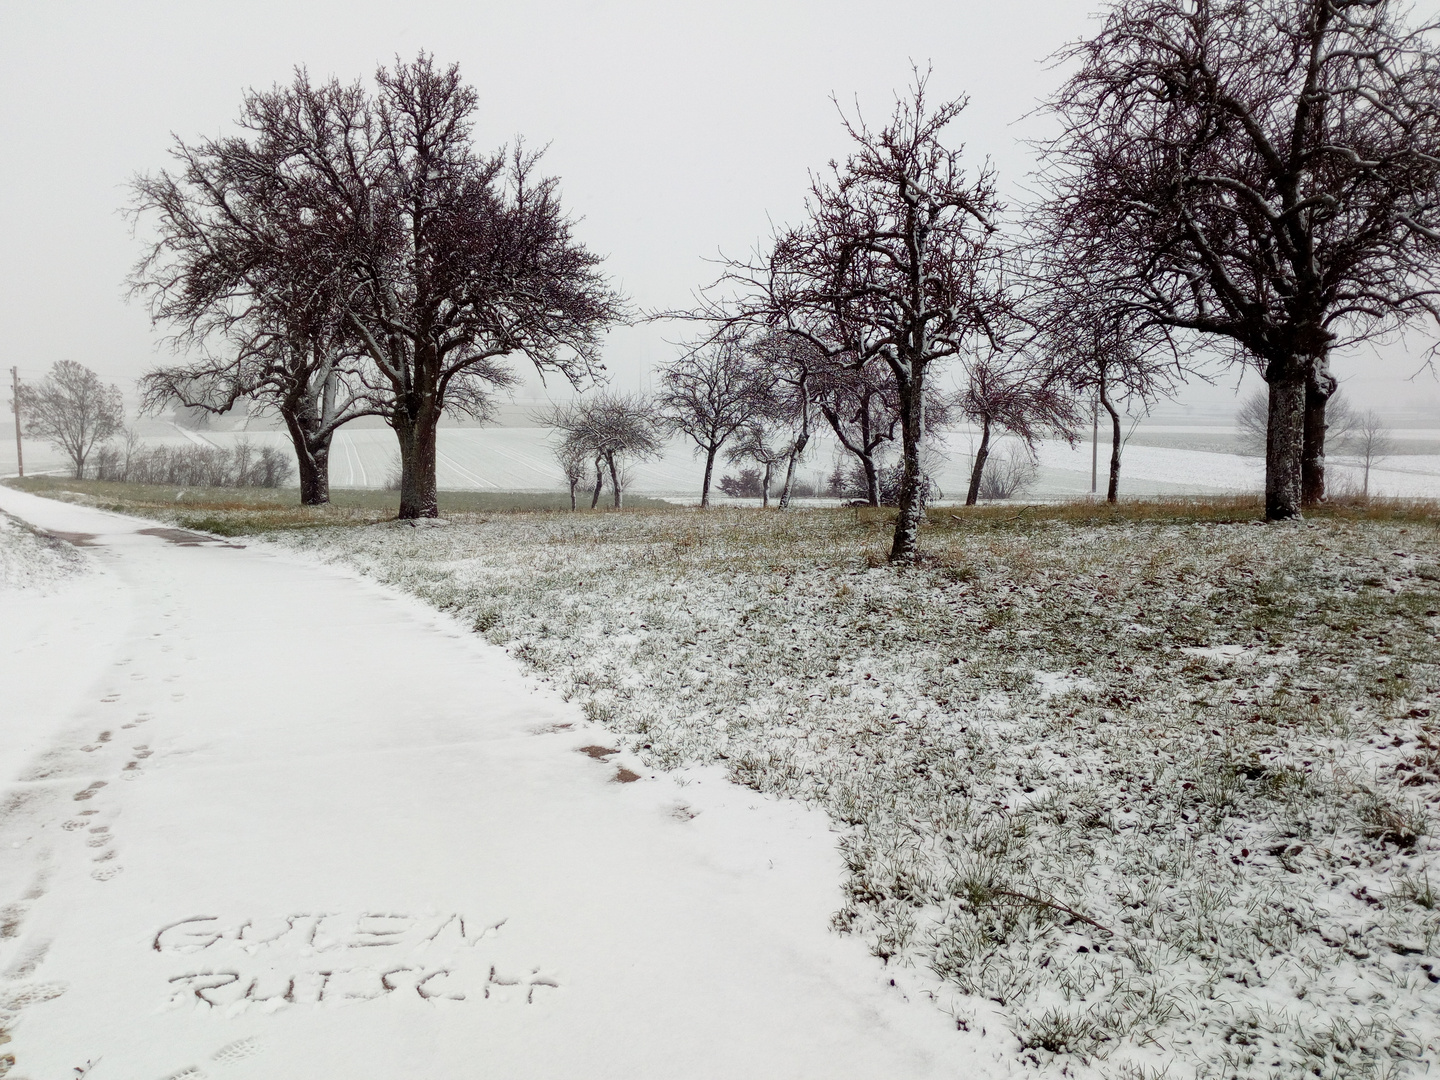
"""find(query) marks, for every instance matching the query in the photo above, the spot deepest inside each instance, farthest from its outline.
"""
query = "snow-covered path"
(265, 819)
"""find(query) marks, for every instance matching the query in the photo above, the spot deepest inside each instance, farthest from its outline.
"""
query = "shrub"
(1009, 474)
(748, 485)
(193, 466)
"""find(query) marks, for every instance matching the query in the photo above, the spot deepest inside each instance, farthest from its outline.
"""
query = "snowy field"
(1149, 800)
(520, 459)
(1134, 799)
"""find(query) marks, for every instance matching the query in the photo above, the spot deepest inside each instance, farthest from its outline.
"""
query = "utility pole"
(19, 450)
(1094, 447)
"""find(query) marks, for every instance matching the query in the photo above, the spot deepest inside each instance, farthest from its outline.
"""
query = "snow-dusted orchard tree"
(708, 393)
(572, 462)
(72, 410)
(282, 352)
(896, 262)
(863, 410)
(1261, 174)
(789, 364)
(1371, 444)
(1103, 353)
(608, 430)
(443, 261)
(1013, 394)
(232, 270)
(765, 442)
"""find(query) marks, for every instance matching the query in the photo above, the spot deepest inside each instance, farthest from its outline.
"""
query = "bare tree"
(707, 394)
(1012, 394)
(1100, 351)
(790, 364)
(72, 410)
(302, 380)
(897, 262)
(232, 271)
(1008, 474)
(606, 429)
(577, 450)
(442, 261)
(863, 410)
(1371, 442)
(765, 442)
(571, 460)
(1259, 172)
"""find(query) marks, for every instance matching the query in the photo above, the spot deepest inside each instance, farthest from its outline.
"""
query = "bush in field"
(1007, 475)
(193, 466)
(748, 485)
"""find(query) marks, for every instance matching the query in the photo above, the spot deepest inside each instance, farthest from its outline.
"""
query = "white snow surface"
(265, 818)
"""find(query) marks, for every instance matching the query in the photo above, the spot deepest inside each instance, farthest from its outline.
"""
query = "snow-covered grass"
(32, 560)
(1156, 790)
(1151, 794)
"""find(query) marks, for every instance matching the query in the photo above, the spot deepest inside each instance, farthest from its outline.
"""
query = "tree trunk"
(1319, 387)
(614, 478)
(312, 459)
(912, 439)
(864, 450)
(795, 452)
(765, 486)
(599, 483)
(574, 483)
(978, 469)
(314, 469)
(1112, 493)
(710, 452)
(1284, 439)
(419, 497)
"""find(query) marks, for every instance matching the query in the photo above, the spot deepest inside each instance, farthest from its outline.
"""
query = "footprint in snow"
(238, 1050)
(20, 997)
(27, 962)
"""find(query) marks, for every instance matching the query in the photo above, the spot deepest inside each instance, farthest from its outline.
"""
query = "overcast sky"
(677, 130)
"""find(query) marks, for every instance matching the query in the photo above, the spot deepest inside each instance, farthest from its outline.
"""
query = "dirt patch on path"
(184, 537)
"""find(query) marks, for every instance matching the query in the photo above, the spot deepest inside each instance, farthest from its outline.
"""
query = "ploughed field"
(1152, 788)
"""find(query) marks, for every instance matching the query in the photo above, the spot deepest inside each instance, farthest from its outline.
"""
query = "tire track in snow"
(352, 449)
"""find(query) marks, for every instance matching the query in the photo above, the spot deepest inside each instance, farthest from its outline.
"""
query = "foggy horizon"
(676, 137)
